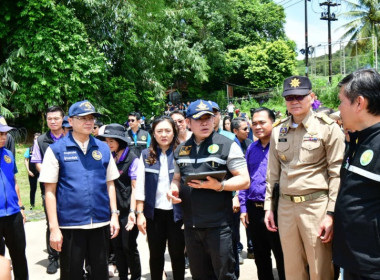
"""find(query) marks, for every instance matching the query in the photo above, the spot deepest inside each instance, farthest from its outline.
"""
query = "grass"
(22, 179)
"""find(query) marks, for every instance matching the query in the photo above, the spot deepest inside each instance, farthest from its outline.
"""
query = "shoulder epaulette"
(277, 122)
(325, 118)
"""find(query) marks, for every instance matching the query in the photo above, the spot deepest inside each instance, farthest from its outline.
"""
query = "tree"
(263, 65)
(365, 21)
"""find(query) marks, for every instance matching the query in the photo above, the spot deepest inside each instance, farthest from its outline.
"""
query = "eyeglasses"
(245, 128)
(85, 119)
(295, 97)
(130, 120)
(53, 119)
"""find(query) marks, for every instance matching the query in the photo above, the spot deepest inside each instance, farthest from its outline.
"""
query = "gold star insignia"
(201, 107)
(295, 83)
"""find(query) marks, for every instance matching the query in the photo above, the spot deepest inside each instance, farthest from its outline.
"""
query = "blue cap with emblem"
(297, 85)
(83, 108)
(65, 122)
(199, 108)
(214, 105)
(4, 126)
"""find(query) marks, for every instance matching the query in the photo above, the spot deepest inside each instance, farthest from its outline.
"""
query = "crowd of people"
(306, 188)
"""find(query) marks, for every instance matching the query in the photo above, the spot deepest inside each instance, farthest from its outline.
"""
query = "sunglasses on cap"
(295, 97)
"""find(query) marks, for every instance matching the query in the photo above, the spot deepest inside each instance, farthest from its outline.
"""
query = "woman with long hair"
(124, 245)
(227, 123)
(156, 215)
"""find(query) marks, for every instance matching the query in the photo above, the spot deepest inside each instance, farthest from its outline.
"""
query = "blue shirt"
(8, 195)
(257, 161)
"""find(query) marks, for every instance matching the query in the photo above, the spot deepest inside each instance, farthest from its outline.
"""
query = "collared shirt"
(257, 161)
(163, 184)
(306, 158)
(134, 135)
(36, 157)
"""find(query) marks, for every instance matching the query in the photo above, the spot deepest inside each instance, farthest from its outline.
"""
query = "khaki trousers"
(304, 253)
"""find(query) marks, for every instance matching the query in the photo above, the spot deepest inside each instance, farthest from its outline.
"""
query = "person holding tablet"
(207, 204)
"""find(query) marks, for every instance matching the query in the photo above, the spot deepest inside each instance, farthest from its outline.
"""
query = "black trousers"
(126, 253)
(79, 243)
(12, 230)
(159, 230)
(264, 242)
(353, 276)
(52, 254)
(210, 252)
(236, 241)
(33, 188)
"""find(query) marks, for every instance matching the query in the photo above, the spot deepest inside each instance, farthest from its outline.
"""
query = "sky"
(317, 29)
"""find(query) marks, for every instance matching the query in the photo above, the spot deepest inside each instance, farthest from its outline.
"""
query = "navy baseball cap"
(198, 108)
(214, 105)
(83, 108)
(297, 85)
(4, 126)
(65, 122)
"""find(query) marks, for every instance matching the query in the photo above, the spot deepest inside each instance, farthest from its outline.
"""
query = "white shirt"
(163, 184)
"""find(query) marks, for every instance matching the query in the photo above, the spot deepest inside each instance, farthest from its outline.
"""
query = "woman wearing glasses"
(156, 215)
(179, 118)
(124, 245)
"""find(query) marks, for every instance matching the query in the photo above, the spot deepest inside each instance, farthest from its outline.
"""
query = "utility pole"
(306, 51)
(329, 17)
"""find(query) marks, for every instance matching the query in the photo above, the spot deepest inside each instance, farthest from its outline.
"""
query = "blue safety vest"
(151, 181)
(82, 196)
(8, 196)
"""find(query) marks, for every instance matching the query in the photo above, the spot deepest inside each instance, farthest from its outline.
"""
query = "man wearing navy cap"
(207, 204)
(12, 216)
(305, 154)
(78, 173)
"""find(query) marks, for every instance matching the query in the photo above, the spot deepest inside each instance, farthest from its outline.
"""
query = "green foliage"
(326, 93)
(263, 65)
(60, 66)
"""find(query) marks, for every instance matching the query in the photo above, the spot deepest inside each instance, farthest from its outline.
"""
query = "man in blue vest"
(12, 216)
(78, 172)
(207, 204)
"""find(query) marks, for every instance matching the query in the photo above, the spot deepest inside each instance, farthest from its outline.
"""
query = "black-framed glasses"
(130, 120)
(295, 97)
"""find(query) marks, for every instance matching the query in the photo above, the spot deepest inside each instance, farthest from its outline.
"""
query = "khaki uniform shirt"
(306, 158)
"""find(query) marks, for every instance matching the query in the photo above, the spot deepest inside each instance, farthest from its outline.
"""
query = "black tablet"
(219, 175)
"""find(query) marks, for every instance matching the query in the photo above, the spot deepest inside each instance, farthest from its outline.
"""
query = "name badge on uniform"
(185, 151)
(70, 156)
(312, 139)
(282, 139)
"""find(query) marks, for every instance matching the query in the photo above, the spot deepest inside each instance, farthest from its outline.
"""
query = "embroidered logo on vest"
(97, 155)
(366, 157)
(184, 151)
(143, 137)
(7, 159)
(213, 149)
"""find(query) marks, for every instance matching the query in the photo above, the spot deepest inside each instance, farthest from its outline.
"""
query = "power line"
(293, 4)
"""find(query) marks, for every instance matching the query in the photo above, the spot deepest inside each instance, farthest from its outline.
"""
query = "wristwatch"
(132, 211)
(115, 212)
(22, 207)
(139, 212)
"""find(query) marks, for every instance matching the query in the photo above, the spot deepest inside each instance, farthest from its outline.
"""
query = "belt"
(259, 204)
(302, 198)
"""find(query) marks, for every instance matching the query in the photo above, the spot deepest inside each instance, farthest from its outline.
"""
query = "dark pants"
(52, 254)
(159, 230)
(263, 242)
(33, 188)
(210, 253)
(12, 230)
(236, 241)
(79, 243)
(353, 276)
(126, 253)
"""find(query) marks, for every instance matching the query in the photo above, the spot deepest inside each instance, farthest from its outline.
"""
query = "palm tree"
(364, 16)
